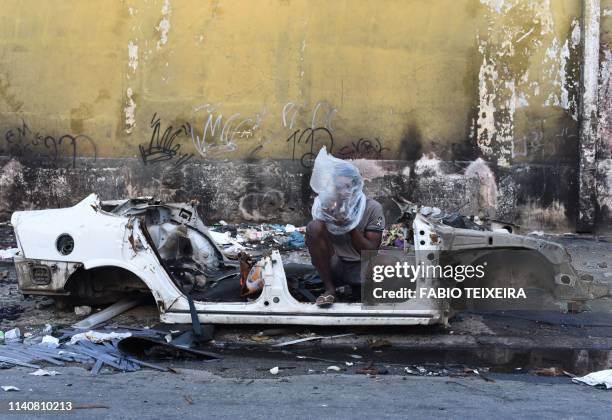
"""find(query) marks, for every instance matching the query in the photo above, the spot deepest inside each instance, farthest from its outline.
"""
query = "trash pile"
(93, 343)
(234, 239)
(247, 237)
(395, 236)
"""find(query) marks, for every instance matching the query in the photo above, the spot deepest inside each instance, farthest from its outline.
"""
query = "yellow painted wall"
(438, 72)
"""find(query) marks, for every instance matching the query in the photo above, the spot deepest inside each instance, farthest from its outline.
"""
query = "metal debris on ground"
(95, 348)
(8, 388)
(316, 337)
(151, 347)
(107, 313)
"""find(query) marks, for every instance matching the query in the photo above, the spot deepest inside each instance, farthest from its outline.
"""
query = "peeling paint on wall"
(164, 24)
(558, 62)
(429, 165)
(519, 33)
(604, 164)
(488, 193)
(133, 56)
(129, 111)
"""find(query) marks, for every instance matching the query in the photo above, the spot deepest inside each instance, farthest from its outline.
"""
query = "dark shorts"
(345, 272)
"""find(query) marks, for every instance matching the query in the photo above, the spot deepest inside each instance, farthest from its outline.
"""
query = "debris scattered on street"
(372, 370)
(602, 378)
(44, 372)
(551, 371)
(334, 368)
(83, 310)
(8, 388)
(50, 342)
(7, 254)
(316, 337)
(378, 343)
(274, 370)
(260, 337)
(159, 348)
(12, 336)
(107, 313)
(98, 337)
(94, 348)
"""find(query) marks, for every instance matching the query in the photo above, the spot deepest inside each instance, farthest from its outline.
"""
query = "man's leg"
(321, 251)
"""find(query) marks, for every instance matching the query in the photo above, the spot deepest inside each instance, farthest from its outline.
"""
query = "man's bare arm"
(370, 240)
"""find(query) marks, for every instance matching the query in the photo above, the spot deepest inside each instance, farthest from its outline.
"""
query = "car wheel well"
(105, 284)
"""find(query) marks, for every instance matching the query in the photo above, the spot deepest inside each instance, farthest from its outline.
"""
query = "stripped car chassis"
(116, 235)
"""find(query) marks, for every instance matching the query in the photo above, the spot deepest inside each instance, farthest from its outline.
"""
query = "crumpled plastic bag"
(340, 200)
(602, 378)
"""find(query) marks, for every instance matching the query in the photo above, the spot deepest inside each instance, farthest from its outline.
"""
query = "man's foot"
(326, 299)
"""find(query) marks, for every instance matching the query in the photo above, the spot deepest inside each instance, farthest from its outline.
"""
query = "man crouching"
(344, 223)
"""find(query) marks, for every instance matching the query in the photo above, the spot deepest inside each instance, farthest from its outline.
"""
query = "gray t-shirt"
(373, 219)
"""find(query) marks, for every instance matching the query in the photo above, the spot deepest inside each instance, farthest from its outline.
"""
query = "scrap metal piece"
(106, 314)
(301, 340)
(142, 347)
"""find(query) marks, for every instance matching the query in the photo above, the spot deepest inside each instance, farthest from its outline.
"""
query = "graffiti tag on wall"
(363, 149)
(318, 134)
(22, 142)
(220, 133)
(163, 146)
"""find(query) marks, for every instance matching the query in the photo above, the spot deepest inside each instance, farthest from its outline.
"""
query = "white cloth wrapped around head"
(340, 201)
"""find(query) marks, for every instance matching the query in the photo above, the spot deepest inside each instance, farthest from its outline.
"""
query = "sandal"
(325, 300)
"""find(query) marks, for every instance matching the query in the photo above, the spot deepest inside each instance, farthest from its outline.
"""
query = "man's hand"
(365, 241)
